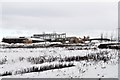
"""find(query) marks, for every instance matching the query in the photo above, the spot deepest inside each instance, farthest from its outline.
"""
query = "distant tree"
(111, 36)
(101, 35)
(106, 35)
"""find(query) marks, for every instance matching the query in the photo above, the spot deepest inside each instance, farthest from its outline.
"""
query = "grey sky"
(74, 18)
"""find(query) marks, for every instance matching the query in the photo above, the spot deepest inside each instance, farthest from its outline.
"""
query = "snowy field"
(58, 63)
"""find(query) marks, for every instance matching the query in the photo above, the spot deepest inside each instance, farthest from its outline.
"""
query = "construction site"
(45, 37)
(57, 40)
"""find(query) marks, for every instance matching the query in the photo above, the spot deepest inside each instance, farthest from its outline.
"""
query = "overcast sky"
(74, 18)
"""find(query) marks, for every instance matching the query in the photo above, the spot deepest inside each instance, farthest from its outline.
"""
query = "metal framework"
(50, 36)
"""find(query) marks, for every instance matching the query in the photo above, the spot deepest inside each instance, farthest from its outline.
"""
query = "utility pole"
(111, 36)
(101, 36)
(118, 34)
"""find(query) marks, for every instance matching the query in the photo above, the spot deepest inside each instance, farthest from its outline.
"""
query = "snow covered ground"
(19, 59)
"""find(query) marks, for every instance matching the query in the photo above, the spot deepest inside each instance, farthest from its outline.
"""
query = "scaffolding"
(52, 36)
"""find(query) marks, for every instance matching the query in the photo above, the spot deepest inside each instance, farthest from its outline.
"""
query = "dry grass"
(3, 61)
(44, 68)
(100, 56)
(38, 68)
(6, 73)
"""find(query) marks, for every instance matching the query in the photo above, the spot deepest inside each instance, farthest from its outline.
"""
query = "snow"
(39, 39)
(82, 69)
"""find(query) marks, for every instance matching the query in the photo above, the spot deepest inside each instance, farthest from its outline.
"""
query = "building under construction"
(36, 38)
(53, 37)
